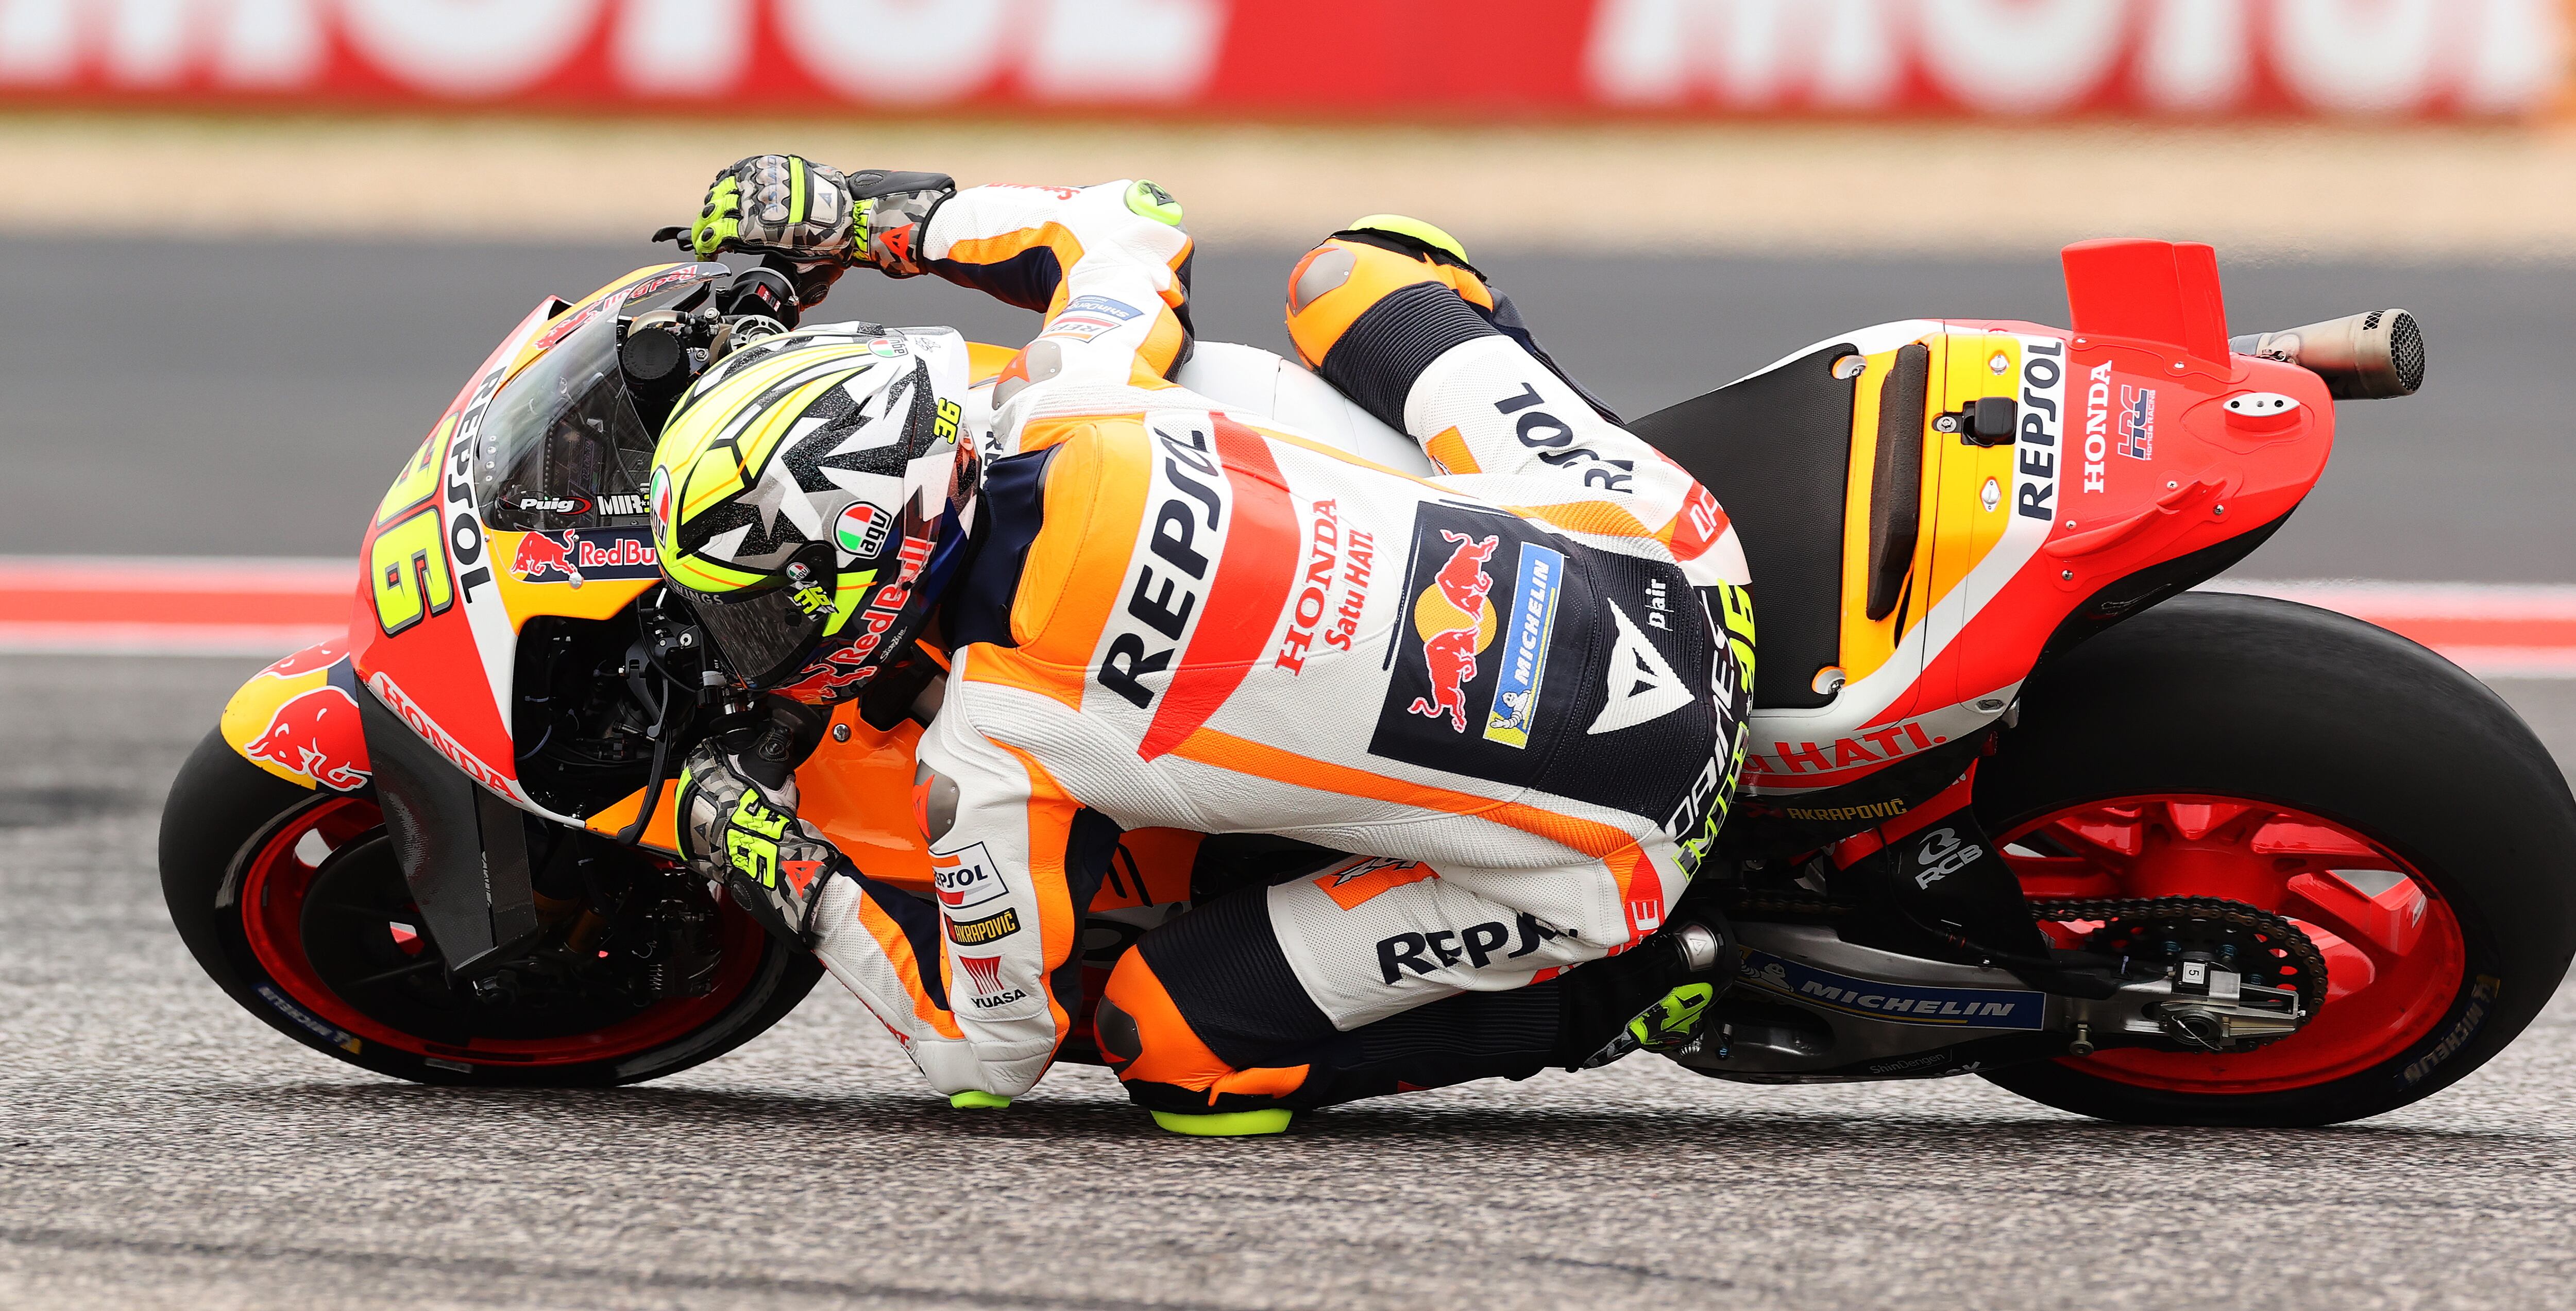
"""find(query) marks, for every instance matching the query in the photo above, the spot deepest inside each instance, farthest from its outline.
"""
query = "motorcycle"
(2016, 802)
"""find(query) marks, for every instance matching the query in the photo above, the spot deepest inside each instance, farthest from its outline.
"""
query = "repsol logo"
(1171, 574)
(1425, 953)
(464, 531)
(2043, 385)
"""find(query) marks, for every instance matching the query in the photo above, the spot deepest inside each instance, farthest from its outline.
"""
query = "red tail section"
(2157, 291)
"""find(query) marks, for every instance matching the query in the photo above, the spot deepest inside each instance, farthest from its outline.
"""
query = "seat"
(1775, 448)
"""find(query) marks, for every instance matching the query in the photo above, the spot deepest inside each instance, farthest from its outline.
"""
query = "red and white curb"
(2493, 630)
(171, 606)
(200, 606)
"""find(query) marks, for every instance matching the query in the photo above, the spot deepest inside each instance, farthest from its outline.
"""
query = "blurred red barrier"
(1449, 59)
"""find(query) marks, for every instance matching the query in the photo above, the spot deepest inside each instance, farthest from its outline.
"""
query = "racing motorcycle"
(2017, 802)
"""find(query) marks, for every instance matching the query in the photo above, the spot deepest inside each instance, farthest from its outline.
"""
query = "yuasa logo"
(966, 878)
(985, 973)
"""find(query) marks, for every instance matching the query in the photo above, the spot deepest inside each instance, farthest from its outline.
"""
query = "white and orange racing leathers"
(1514, 692)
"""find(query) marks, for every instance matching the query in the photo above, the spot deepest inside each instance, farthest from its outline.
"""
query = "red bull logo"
(316, 735)
(593, 556)
(320, 655)
(1456, 622)
(542, 558)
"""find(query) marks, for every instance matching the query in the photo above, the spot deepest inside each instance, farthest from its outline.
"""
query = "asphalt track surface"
(160, 1147)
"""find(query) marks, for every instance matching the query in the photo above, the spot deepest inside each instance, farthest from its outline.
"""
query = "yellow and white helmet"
(811, 495)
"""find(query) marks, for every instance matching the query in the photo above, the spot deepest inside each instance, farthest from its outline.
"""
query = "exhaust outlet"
(2362, 357)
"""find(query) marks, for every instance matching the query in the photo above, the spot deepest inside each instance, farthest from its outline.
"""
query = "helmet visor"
(767, 633)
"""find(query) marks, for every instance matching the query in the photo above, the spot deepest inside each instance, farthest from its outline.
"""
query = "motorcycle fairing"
(435, 631)
(298, 720)
(2123, 459)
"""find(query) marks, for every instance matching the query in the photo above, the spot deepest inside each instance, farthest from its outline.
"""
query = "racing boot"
(1377, 302)
(1693, 951)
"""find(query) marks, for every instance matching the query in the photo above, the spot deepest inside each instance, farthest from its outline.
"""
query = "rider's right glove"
(739, 832)
(812, 216)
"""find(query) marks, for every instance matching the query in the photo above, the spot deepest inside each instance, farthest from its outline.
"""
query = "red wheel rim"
(281, 872)
(2392, 946)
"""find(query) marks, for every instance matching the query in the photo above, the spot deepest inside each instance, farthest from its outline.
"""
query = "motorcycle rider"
(1516, 690)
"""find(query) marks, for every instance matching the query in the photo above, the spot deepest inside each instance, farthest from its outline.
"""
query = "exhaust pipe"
(2363, 357)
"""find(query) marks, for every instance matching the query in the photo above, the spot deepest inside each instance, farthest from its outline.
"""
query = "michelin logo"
(1968, 1008)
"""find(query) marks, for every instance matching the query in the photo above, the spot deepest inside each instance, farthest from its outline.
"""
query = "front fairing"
(452, 576)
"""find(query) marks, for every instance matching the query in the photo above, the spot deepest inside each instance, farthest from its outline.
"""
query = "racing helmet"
(811, 496)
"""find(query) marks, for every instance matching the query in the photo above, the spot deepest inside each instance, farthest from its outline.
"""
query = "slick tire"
(223, 809)
(2238, 696)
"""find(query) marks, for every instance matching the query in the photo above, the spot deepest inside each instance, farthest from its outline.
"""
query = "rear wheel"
(2320, 769)
(293, 901)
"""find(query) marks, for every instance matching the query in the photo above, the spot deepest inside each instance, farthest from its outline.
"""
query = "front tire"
(2323, 769)
(250, 862)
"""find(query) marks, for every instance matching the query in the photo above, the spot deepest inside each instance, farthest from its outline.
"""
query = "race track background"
(254, 399)
(159, 1146)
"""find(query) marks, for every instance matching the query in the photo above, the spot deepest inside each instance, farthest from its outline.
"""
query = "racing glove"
(741, 831)
(813, 216)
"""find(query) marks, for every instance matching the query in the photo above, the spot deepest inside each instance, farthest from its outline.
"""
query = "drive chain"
(2234, 915)
(2263, 927)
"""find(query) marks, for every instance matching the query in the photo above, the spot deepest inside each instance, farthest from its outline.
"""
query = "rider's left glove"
(806, 213)
(739, 832)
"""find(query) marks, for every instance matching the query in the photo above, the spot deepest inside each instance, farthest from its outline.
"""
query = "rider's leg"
(883, 944)
(1376, 303)
(1326, 989)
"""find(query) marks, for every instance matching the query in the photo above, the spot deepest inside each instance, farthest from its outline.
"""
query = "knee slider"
(1161, 1059)
(1114, 1031)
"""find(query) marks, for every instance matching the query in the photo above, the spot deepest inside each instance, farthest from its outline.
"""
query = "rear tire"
(224, 812)
(2227, 696)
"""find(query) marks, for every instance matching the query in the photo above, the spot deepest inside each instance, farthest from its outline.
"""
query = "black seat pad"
(1775, 448)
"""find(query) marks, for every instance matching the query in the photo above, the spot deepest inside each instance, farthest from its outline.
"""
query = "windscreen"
(562, 446)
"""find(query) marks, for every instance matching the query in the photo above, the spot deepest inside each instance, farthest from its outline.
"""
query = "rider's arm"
(1107, 265)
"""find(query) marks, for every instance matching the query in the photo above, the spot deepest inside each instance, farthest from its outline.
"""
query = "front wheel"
(2321, 769)
(294, 902)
